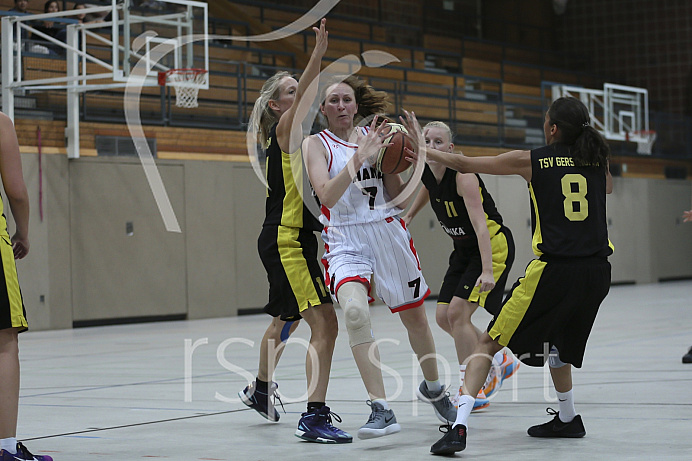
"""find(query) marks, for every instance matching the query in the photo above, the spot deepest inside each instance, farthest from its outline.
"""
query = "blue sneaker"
(22, 455)
(317, 427)
(499, 373)
(260, 401)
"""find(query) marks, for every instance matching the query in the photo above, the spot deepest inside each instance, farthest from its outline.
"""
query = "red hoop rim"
(163, 76)
(643, 133)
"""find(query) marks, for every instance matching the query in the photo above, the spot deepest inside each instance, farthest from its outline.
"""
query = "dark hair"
(585, 144)
(48, 3)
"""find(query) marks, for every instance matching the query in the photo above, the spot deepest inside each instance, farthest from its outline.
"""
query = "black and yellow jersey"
(451, 211)
(288, 186)
(568, 205)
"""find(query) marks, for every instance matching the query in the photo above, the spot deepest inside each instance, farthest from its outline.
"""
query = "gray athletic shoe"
(444, 408)
(381, 422)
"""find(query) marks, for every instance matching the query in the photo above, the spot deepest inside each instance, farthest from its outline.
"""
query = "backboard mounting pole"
(72, 128)
(7, 69)
(126, 42)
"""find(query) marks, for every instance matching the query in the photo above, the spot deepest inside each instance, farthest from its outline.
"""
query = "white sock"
(9, 445)
(497, 359)
(382, 402)
(567, 411)
(433, 386)
(465, 406)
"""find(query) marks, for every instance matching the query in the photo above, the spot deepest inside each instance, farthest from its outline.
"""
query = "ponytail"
(586, 145)
(263, 117)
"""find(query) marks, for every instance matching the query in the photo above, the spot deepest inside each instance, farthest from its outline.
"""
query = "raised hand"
(415, 134)
(371, 143)
(321, 36)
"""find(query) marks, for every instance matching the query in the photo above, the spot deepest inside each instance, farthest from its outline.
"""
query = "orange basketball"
(392, 159)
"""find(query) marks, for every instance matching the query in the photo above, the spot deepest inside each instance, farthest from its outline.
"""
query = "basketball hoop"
(186, 82)
(645, 141)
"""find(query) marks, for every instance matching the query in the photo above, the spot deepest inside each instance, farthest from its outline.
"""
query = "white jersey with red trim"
(365, 200)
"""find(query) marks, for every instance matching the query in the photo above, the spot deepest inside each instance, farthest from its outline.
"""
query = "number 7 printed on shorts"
(415, 284)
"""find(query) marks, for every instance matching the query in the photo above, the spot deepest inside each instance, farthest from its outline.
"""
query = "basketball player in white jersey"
(364, 237)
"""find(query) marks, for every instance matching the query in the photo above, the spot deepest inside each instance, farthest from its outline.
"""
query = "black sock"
(262, 386)
(314, 406)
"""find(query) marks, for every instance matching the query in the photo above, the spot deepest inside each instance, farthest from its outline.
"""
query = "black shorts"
(296, 281)
(554, 304)
(465, 267)
(12, 312)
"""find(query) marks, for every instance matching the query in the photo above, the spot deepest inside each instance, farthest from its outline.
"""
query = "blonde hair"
(263, 117)
(370, 101)
(443, 126)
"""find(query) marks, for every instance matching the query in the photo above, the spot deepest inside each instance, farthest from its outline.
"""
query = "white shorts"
(383, 249)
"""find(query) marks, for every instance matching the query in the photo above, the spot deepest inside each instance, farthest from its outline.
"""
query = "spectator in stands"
(80, 17)
(21, 6)
(52, 29)
(91, 17)
(12, 312)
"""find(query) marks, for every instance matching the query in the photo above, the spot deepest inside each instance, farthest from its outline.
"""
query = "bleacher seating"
(489, 92)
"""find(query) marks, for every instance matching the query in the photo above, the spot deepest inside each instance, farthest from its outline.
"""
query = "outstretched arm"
(307, 88)
(514, 162)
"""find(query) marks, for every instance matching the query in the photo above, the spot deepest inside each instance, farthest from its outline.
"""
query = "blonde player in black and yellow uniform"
(288, 248)
(482, 256)
(12, 313)
(549, 314)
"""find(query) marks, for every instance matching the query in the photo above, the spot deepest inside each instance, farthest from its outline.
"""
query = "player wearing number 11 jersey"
(549, 314)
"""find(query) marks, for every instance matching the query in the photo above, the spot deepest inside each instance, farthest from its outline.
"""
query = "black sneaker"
(22, 455)
(454, 440)
(260, 401)
(556, 428)
(687, 358)
(317, 427)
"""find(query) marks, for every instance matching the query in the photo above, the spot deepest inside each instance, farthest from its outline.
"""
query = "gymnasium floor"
(119, 393)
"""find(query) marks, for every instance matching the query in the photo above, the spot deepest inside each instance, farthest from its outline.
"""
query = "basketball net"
(645, 141)
(186, 83)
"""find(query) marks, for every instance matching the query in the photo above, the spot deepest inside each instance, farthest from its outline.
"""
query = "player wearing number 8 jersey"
(364, 237)
(550, 312)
